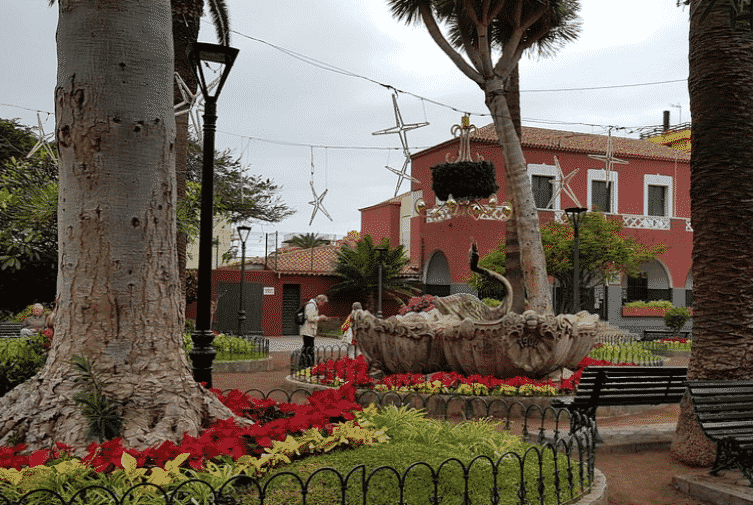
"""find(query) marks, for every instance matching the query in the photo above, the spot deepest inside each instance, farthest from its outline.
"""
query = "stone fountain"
(462, 334)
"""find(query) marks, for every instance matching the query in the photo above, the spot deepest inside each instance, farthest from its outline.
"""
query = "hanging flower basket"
(464, 179)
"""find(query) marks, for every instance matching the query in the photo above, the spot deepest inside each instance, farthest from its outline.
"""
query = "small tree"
(359, 269)
(676, 317)
(602, 253)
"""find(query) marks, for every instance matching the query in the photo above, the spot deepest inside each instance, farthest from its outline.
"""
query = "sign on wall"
(269, 290)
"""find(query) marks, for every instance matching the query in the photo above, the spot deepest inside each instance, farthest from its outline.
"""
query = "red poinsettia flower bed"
(355, 371)
(226, 438)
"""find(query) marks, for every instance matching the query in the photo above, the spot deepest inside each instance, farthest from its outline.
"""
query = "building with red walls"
(650, 194)
(276, 286)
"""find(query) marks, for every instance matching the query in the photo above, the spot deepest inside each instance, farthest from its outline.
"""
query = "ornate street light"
(203, 353)
(574, 214)
(381, 251)
(243, 232)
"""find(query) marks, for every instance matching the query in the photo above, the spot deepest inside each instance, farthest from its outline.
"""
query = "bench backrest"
(630, 385)
(724, 409)
(10, 329)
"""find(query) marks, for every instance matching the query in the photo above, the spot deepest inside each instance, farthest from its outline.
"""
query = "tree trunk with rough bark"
(118, 278)
(721, 185)
(527, 218)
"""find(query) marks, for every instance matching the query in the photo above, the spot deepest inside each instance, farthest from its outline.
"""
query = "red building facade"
(650, 194)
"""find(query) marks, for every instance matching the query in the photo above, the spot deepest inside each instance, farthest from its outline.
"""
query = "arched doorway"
(437, 275)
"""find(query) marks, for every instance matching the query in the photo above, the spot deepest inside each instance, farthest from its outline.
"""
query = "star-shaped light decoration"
(317, 203)
(189, 100)
(608, 158)
(400, 128)
(561, 184)
(43, 143)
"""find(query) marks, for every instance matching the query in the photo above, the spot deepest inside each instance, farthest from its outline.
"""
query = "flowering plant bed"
(281, 432)
(355, 371)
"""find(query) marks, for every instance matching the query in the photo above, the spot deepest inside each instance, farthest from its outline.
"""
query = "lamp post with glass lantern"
(243, 232)
(203, 353)
(574, 214)
(381, 251)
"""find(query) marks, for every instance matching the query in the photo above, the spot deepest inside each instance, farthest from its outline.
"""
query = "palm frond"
(407, 11)
(220, 20)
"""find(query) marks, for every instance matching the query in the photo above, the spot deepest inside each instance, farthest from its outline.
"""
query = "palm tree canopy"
(359, 269)
(479, 28)
(308, 241)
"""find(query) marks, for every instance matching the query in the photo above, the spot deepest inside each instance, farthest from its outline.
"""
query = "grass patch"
(417, 441)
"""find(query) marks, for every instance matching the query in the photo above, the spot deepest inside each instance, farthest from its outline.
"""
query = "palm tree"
(118, 284)
(479, 29)
(359, 269)
(308, 241)
(186, 15)
(720, 83)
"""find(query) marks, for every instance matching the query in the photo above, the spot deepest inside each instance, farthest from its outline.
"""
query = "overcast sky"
(275, 106)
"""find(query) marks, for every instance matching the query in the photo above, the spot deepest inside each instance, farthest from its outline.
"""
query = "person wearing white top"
(310, 326)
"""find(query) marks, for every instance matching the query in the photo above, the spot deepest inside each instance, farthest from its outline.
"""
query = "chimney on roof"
(666, 120)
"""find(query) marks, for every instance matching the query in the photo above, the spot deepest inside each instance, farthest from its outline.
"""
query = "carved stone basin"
(464, 335)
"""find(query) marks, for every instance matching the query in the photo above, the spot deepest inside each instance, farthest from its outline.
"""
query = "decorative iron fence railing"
(555, 471)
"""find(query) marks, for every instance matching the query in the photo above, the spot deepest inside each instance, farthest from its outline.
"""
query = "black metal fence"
(554, 473)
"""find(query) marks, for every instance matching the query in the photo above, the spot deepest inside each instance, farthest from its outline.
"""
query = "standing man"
(309, 328)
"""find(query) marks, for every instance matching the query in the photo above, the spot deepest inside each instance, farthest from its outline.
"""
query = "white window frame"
(547, 171)
(601, 175)
(659, 180)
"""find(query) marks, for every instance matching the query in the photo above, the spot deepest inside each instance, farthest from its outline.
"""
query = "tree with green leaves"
(494, 34)
(240, 197)
(28, 220)
(603, 253)
(358, 267)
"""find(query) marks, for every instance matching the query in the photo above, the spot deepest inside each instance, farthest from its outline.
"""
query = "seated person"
(36, 322)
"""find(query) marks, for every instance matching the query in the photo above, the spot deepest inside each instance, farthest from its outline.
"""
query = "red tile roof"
(586, 143)
(320, 260)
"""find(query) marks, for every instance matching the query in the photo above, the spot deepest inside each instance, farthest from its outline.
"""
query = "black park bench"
(610, 386)
(724, 409)
(10, 330)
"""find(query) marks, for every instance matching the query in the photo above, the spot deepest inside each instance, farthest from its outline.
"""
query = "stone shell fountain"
(462, 334)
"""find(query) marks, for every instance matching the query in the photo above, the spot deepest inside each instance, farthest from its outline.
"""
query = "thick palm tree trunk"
(529, 235)
(721, 185)
(118, 277)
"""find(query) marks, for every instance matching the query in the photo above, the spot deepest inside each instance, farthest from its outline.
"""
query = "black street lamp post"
(381, 251)
(243, 232)
(203, 353)
(574, 214)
